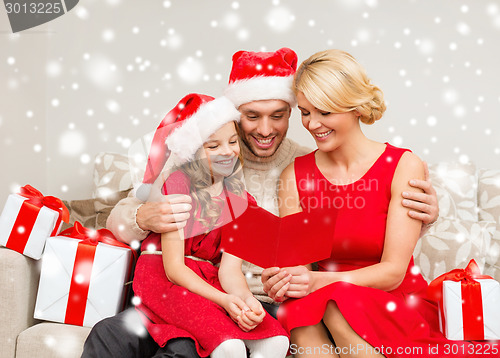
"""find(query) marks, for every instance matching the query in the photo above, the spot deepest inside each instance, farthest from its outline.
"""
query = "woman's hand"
(423, 206)
(287, 282)
(276, 283)
(301, 281)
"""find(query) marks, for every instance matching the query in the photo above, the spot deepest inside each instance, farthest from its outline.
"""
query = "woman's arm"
(177, 272)
(424, 204)
(401, 236)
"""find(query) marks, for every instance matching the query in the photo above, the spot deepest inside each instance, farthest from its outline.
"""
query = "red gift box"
(28, 219)
(468, 304)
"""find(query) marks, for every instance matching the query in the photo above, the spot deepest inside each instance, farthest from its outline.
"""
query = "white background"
(101, 76)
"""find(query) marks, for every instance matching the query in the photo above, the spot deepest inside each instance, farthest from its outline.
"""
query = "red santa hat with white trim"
(183, 131)
(262, 76)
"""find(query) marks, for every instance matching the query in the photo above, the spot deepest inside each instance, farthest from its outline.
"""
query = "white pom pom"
(143, 192)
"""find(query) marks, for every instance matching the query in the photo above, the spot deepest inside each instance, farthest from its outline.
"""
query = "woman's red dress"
(400, 323)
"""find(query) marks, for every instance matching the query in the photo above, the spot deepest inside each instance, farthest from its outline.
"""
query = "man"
(260, 87)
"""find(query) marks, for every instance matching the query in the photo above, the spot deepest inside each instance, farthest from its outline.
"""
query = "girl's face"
(328, 129)
(221, 150)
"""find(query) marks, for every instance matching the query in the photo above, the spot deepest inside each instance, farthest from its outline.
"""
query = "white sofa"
(468, 227)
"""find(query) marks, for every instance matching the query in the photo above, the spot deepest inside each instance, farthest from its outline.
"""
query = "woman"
(368, 299)
(182, 290)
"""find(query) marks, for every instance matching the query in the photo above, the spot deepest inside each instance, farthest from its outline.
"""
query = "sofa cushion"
(112, 182)
(456, 187)
(451, 244)
(48, 340)
(489, 209)
(82, 211)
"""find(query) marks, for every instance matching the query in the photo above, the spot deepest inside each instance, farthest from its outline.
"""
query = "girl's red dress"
(171, 311)
(400, 323)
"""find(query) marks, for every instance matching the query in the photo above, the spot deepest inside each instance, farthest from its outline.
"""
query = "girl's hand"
(253, 317)
(234, 306)
(256, 314)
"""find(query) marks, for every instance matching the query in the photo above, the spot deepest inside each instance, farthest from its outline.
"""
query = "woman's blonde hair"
(207, 211)
(334, 81)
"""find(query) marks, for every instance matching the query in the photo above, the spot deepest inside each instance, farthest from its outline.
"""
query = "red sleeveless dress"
(402, 322)
(171, 311)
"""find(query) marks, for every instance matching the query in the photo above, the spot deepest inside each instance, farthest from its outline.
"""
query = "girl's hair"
(334, 81)
(201, 179)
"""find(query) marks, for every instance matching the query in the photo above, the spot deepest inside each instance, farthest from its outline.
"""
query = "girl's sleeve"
(176, 183)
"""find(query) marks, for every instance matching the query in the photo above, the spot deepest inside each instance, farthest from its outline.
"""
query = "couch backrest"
(467, 227)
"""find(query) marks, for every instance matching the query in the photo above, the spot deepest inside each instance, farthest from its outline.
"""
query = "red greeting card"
(266, 240)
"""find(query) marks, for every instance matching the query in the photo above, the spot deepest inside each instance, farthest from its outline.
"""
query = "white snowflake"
(190, 70)
(280, 19)
(71, 143)
(53, 69)
(431, 121)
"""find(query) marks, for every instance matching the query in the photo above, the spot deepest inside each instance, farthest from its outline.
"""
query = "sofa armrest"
(19, 276)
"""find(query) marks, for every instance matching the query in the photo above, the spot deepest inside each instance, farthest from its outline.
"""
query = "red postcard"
(266, 240)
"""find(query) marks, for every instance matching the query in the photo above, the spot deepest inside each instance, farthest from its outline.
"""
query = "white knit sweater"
(261, 179)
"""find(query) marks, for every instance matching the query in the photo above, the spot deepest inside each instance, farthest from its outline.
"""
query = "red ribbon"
(82, 270)
(28, 213)
(472, 308)
(36, 197)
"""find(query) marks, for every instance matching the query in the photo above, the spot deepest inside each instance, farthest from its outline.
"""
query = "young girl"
(183, 293)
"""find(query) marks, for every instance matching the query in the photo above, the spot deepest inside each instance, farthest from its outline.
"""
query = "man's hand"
(423, 206)
(166, 216)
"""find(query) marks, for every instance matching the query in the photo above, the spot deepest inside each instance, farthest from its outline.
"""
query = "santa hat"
(261, 76)
(183, 131)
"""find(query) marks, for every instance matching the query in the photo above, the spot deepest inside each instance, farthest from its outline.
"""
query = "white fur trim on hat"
(261, 88)
(185, 140)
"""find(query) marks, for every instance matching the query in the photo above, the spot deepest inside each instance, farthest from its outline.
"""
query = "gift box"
(28, 219)
(469, 304)
(83, 276)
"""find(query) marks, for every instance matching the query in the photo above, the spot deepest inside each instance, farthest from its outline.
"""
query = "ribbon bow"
(36, 198)
(472, 308)
(93, 237)
(470, 274)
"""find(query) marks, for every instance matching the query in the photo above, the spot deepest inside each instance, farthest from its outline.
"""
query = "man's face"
(263, 125)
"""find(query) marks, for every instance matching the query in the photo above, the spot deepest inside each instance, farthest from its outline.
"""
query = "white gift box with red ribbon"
(28, 219)
(486, 312)
(469, 304)
(82, 281)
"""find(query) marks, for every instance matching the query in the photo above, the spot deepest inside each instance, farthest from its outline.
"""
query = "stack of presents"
(84, 272)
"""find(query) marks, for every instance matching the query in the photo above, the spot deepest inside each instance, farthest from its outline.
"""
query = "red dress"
(402, 322)
(171, 311)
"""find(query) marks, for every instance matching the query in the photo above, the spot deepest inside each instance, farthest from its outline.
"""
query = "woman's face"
(221, 150)
(329, 130)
